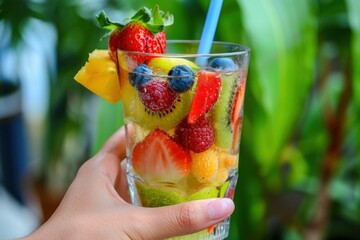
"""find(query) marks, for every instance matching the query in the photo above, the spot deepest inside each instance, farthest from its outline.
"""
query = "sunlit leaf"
(354, 20)
(282, 35)
(294, 166)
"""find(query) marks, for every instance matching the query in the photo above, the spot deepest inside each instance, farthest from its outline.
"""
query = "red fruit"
(197, 137)
(238, 101)
(235, 117)
(136, 37)
(157, 44)
(159, 158)
(143, 33)
(157, 96)
(206, 94)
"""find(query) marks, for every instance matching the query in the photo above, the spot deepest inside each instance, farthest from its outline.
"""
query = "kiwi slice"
(162, 64)
(222, 113)
(136, 111)
(205, 193)
(158, 197)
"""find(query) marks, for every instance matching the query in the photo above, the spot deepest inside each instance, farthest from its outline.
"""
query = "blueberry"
(139, 76)
(181, 78)
(226, 64)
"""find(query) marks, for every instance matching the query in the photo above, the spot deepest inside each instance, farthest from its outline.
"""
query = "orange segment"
(205, 165)
(99, 75)
(222, 175)
(227, 160)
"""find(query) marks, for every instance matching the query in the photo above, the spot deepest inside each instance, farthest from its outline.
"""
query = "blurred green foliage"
(299, 173)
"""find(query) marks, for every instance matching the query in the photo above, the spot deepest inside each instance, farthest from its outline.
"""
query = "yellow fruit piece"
(227, 160)
(164, 65)
(99, 75)
(222, 175)
(205, 165)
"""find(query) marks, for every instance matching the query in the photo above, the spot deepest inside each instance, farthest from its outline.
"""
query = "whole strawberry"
(143, 32)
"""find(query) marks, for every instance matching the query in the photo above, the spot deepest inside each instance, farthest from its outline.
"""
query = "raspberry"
(157, 96)
(197, 137)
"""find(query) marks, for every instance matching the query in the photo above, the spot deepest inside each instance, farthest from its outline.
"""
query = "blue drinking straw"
(208, 32)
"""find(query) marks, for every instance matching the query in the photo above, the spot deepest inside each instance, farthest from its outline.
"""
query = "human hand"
(96, 205)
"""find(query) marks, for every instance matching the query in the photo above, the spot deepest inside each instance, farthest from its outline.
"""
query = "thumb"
(185, 218)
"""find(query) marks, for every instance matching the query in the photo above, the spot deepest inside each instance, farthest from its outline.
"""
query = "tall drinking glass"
(186, 110)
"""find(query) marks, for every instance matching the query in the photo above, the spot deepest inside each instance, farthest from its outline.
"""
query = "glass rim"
(242, 50)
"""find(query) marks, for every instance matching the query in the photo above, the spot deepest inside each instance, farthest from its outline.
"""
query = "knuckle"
(85, 168)
(187, 215)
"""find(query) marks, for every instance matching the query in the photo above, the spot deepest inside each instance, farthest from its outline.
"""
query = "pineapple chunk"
(99, 75)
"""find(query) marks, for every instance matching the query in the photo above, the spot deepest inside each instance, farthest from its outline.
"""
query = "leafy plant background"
(299, 172)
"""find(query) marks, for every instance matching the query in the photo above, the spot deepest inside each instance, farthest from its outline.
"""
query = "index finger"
(109, 158)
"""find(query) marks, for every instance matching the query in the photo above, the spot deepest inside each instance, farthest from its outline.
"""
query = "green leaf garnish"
(105, 22)
(155, 28)
(168, 18)
(155, 20)
(156, 16)
(143, 15)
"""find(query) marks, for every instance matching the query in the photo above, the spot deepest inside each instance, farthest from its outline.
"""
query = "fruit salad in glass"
(186, 110)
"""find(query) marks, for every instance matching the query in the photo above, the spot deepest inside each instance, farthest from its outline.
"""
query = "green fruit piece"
(204, 234)
(164, 65)
(205, 193)
(221, 114)
(156, 197)
(136, 111)
(223, 189)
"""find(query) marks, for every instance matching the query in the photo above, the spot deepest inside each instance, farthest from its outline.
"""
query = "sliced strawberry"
(159, 158)
(235, 117)
(206, 94)
(238, 101)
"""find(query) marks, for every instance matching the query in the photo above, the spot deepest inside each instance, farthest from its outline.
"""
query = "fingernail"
(220, 208)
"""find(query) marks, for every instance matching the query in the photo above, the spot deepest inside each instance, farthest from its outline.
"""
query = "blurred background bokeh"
(299, 173)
